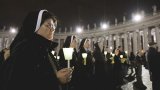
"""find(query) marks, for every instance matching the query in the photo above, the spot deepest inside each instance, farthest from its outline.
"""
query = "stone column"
(157, 30)
(154, 9)
(149, 35)
(88, 27)
(126, 42)
(129, 42)
(138, 40)
(116, 21)
(110, 40)
(71, 30)
(145, 36)
(117, 40)
(135, 42)
(60, 30)
(124, 19)
(1, 41)
(101, 39)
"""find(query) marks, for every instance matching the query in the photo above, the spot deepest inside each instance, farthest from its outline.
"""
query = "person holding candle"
(85, 72)
(138, 71)
(70, 42)
(124, 63)
(153, 56)
(117, 70)
(30, 66)
(103, 74)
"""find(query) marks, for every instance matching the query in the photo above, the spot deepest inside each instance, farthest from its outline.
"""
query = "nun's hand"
(64, 75)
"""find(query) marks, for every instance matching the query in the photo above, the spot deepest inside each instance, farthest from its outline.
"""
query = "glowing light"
(13, 30)
(79, 30)
(137, 17)
(104, 25)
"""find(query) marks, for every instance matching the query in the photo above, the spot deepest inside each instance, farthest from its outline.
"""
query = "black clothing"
(84, 79)
(1, 58)
(30, 66)
(102, 78)
(154, 64)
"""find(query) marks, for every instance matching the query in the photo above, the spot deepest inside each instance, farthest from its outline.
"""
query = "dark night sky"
(72, 12)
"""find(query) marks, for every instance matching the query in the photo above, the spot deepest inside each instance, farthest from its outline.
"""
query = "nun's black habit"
(30, 67)
(85, 72)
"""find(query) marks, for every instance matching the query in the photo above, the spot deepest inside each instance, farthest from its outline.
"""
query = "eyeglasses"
(51, 26)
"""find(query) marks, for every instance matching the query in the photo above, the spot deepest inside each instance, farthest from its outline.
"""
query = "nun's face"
(47, 29)
(73, 43)
(87, 44)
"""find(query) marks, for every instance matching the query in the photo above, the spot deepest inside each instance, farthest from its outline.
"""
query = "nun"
(30, 66)
(85, 68)
(70, 42)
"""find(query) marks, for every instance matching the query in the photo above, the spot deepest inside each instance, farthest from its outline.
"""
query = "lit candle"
(126, 52)
(53, 52)
(113, 55)
(105, 53)
(58, 57)
(111, 48)
(68, 55)
(84, 55)
(121, 56)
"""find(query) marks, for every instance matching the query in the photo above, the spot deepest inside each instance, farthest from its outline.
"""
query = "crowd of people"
(28, 63)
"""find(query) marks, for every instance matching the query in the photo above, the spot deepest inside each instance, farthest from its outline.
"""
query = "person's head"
(70, 42)
(140, 52)
(120, 48)
(132, 53)
(116, 51)
(6, 53)
(85, 43)
(40, 22)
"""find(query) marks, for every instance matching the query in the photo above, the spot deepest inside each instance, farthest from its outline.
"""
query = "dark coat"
(30, 67)
(153, 59)
(73, 62)
(1, 58)
(84, 72)
(102, 79)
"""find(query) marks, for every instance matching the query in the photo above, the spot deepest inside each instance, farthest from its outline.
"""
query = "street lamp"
(104, 25)
(79, 29)
(13, 30)
(137, 17)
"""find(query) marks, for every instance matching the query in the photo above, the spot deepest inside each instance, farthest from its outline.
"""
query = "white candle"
(58, 57)
(68, 55)
(105, 52)
(68, 63)
(113, 55)
(121, 56)
(53, 52)
(126, 52)
(84, 55)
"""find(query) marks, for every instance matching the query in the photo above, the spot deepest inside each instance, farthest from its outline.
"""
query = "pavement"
(145, 78)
